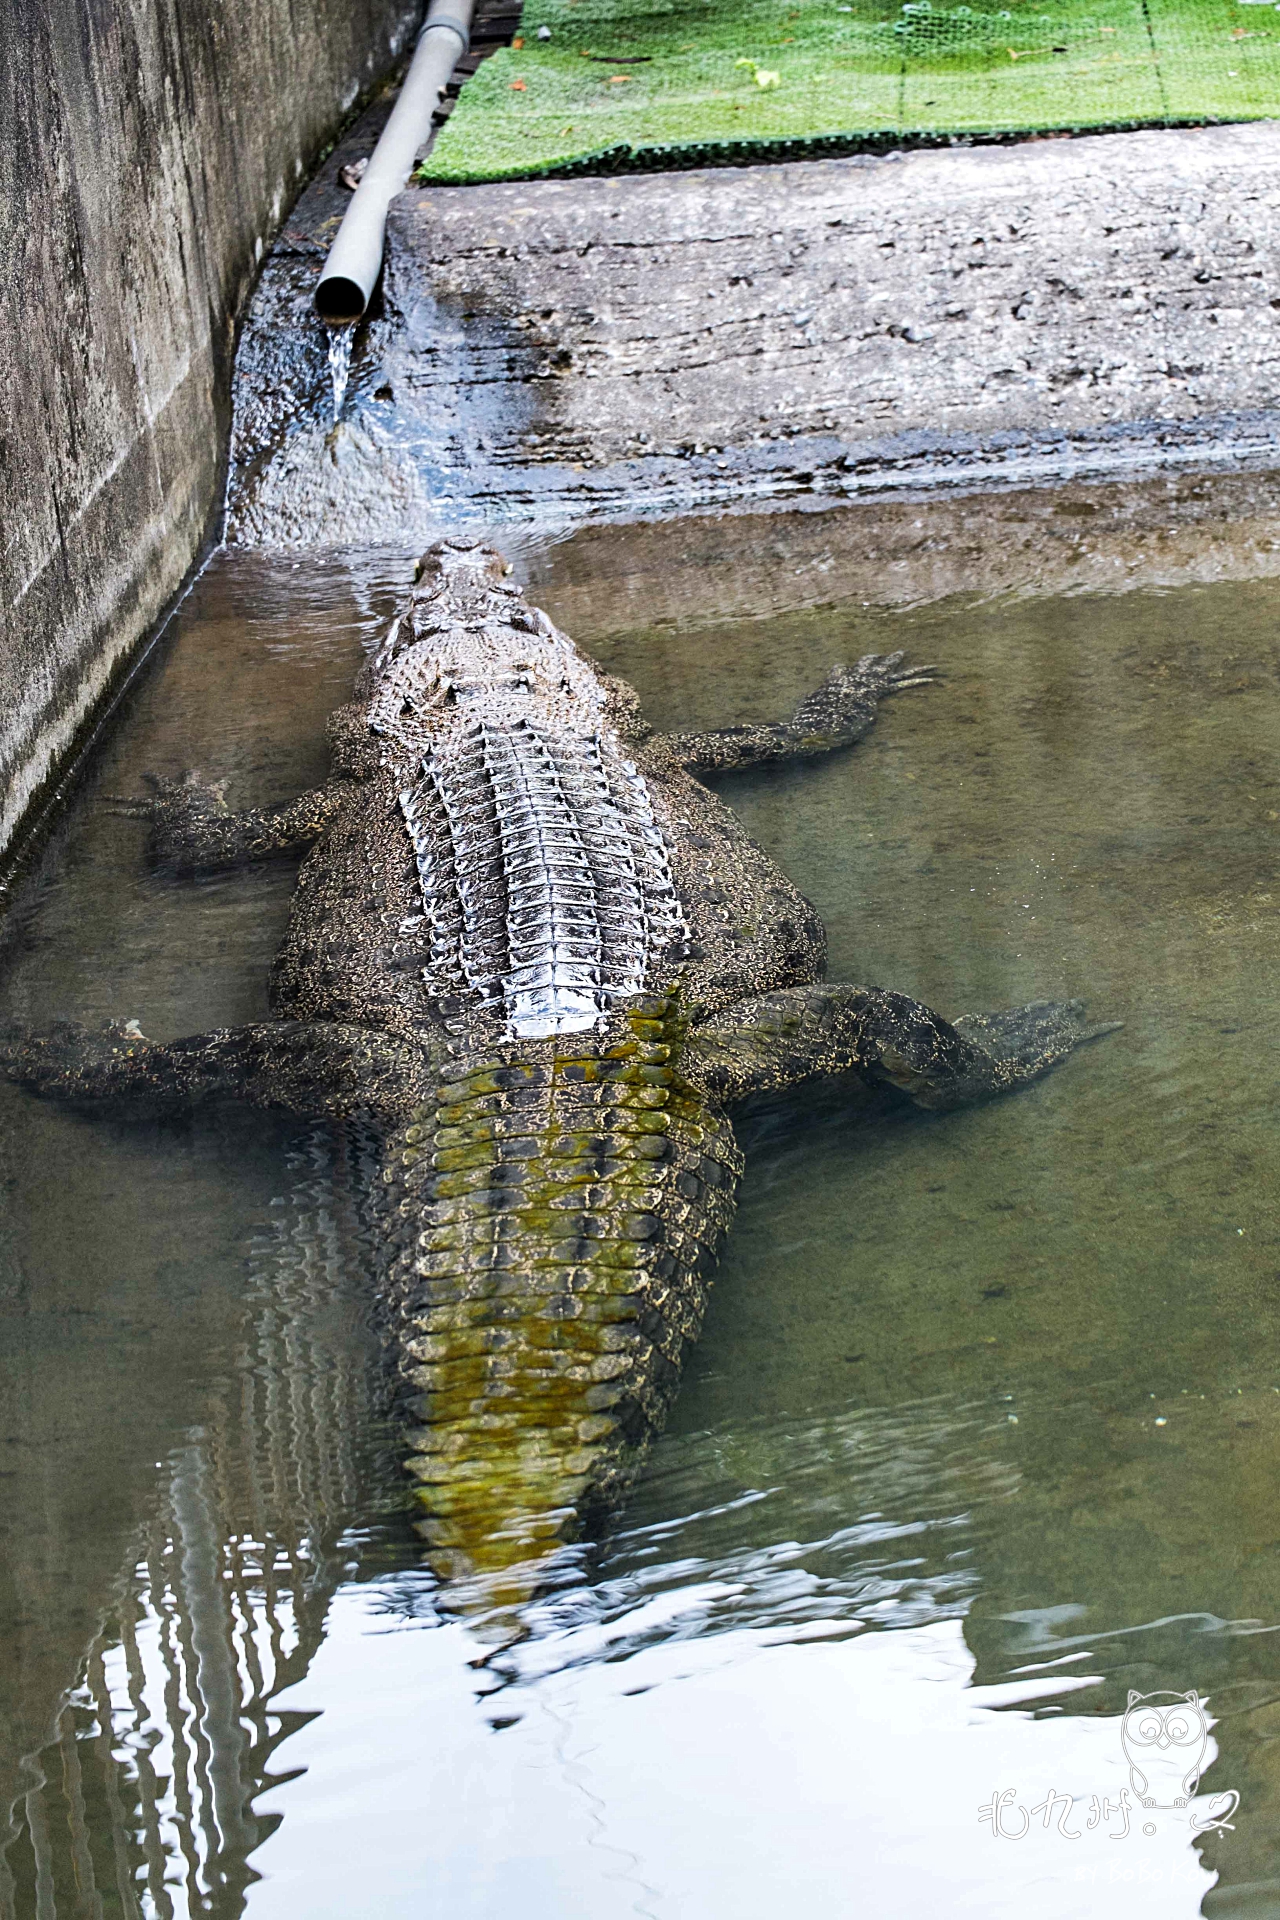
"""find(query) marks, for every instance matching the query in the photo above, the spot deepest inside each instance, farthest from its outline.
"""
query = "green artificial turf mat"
(674, 82)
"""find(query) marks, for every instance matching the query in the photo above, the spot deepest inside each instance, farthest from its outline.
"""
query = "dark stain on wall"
(151, 150)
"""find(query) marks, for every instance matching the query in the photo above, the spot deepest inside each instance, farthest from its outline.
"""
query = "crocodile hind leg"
(834, 715)
(778, 1040)
(315, 1068)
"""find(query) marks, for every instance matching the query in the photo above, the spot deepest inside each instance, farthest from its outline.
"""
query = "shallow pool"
(982, 1433)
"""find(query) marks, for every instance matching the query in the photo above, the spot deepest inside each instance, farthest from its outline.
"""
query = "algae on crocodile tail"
(559, 1225)
(623, 83)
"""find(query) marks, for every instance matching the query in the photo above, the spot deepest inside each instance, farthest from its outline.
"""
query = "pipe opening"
(355, 258)
(339, 300)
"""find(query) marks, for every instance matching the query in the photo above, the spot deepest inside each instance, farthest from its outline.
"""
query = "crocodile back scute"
(545, 880)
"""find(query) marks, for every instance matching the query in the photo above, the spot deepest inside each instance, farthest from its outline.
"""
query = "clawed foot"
(180, 813)
(883, 673)
(845, 704)
(1029, 1039)
(190, 798)
(68, 1061)
(997, 1051)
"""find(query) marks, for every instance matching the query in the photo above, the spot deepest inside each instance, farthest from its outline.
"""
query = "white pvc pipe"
(355, 258)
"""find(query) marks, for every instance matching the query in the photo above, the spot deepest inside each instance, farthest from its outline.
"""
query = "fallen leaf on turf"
(763, 76)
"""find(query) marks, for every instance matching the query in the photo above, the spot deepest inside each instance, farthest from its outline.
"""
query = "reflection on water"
(981, 1436)
(141, 1800)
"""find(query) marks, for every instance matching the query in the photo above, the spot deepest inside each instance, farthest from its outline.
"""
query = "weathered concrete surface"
(152, 148)
(1000, 314)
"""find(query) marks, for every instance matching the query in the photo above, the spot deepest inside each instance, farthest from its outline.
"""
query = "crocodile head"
(468, 649)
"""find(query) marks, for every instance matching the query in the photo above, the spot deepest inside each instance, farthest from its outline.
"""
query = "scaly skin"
(559, 1211)
(535, 949)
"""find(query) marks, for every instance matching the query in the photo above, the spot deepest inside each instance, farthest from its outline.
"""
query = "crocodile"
(533, 948)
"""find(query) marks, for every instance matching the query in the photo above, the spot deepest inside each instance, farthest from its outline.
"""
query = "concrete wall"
(150, 150)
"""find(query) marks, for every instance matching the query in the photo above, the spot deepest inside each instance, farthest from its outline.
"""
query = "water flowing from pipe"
(340, 343)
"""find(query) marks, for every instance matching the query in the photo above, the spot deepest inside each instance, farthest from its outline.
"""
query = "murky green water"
(982, 1433)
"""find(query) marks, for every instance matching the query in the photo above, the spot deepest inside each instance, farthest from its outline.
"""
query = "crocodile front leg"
(318, 1069)
(836, 714)
(778, 1040)
(193, 829)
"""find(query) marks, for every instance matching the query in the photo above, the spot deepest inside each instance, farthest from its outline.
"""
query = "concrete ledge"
(989, 315)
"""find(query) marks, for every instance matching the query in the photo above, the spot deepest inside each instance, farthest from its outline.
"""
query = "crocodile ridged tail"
(558, 1210)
